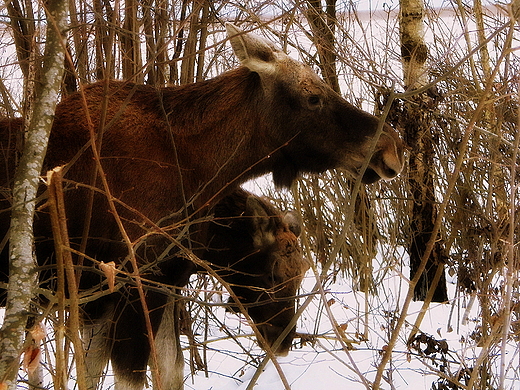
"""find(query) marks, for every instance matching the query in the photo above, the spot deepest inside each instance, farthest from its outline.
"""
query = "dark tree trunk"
(417, 123)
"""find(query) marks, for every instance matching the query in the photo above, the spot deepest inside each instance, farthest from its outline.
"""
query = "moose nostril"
(391, 173)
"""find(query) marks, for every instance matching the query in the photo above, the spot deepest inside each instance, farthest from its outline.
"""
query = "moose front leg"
(97, 347)
(169, 373)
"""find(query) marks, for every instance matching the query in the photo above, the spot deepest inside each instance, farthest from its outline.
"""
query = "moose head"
(257, 254)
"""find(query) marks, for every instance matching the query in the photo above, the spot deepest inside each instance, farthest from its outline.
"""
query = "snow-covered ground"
(323, 363)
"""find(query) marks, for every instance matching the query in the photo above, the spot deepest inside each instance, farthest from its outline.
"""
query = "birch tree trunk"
(417, 123)
(23, 278)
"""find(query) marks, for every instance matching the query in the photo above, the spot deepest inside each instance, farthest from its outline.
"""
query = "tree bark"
(188, 64)
(23, 278)
(131, 46)
(23, 28)
(323, 26)
(417, 121)
(104, 32)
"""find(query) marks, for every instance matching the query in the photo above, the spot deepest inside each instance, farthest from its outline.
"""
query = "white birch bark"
(23, 279)
(413, 49)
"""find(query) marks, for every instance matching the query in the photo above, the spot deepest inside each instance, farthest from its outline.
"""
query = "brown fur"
(250, 245)
(267, 280)
(252, 248)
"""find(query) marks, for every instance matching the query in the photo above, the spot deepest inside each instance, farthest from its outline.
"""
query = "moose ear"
(294, 220)
(261, 227)
(253, 52)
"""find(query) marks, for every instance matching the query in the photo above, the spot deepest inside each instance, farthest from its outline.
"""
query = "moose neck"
(226, 119)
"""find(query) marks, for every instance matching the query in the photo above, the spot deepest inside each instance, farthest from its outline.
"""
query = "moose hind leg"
(129, 355)
(170, 359)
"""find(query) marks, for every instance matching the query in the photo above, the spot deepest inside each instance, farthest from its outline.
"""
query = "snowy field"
(323, 364)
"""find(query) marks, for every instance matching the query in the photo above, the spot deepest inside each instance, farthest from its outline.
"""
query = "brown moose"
(165, 156)
(252, 248)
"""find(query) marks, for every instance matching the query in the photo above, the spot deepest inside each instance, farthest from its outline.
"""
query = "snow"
(322, 363)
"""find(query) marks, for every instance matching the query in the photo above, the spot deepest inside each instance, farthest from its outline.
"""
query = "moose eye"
(314, 101)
